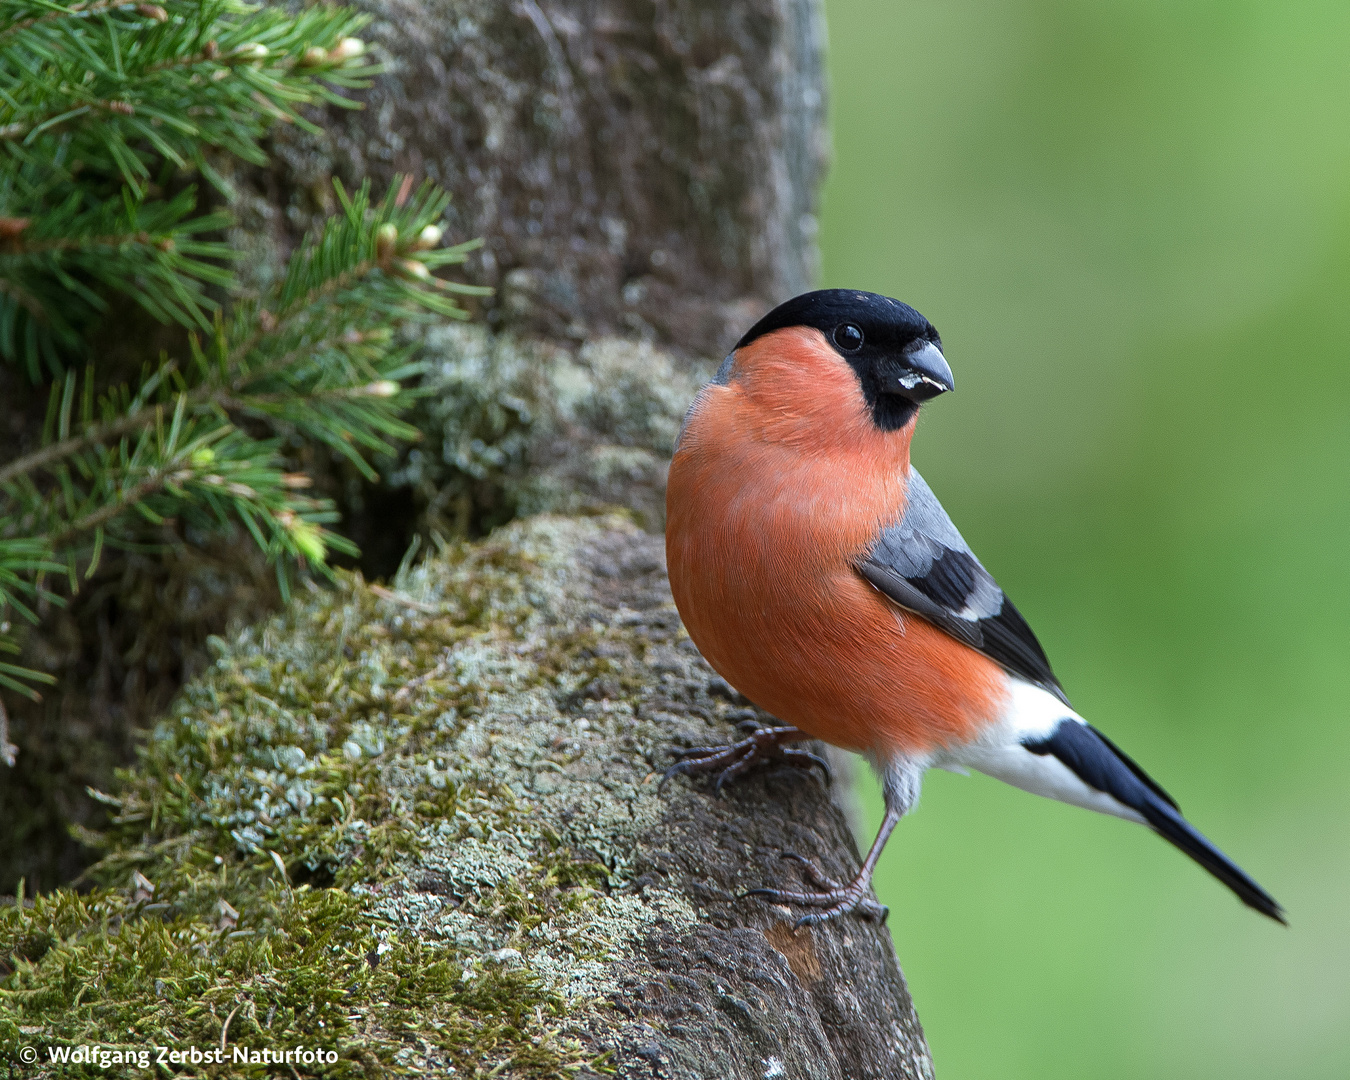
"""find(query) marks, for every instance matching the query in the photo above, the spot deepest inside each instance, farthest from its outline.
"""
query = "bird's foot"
(835, 898)
(733, 760)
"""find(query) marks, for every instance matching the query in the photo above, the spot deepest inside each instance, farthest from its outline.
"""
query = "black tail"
(1098, 763)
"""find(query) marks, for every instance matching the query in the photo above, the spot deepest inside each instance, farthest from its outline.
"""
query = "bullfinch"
(819, 575)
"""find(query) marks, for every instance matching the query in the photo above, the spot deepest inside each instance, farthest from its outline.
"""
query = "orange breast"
(766, 513)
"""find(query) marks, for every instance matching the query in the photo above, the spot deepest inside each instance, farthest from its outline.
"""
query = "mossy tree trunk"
(422, 825)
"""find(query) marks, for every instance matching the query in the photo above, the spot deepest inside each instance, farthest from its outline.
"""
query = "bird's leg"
(760, 744)
(901, 789)
(835, 898)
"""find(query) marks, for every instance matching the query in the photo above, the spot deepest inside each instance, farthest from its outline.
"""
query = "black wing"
(924, 565)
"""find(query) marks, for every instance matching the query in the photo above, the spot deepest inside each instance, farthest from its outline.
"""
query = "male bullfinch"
(820, 576)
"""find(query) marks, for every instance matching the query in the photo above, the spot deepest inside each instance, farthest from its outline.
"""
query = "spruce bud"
(414, 269)
(429, 237)
(386, 241)
(349, 48)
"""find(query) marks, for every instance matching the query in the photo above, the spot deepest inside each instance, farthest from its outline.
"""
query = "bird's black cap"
(895, 351)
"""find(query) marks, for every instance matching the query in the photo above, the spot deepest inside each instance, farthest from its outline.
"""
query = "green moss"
(296, 967)
(378, 826)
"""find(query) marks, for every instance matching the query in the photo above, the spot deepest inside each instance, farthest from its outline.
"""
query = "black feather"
(1095, 760)
(1008, 640)
(924, 564)
(1005, 637)
(950, 580)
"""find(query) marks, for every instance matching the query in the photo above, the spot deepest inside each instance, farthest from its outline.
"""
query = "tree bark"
(645, 167)
(740, 989)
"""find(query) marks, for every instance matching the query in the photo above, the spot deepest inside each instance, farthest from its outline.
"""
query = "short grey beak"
(925, 373)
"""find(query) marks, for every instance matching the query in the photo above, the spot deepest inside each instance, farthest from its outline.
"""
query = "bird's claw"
(766, 744)
(804, 759)
(812, 872)
(868, 909)
(735, 759)
(835, 898)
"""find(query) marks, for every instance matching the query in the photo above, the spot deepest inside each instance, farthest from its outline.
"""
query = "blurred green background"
(1131, 224)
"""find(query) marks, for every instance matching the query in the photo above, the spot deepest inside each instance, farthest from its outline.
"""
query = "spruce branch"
(96, 100)
(176, 75)
(56, 11)
(313, 358)
(23, 561)
(107, 109)
(321, 336)
(70, 256)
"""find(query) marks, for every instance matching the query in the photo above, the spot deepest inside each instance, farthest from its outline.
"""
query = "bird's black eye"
(848, 337)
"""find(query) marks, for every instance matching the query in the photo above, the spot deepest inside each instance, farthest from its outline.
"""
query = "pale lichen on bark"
(515, 426)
